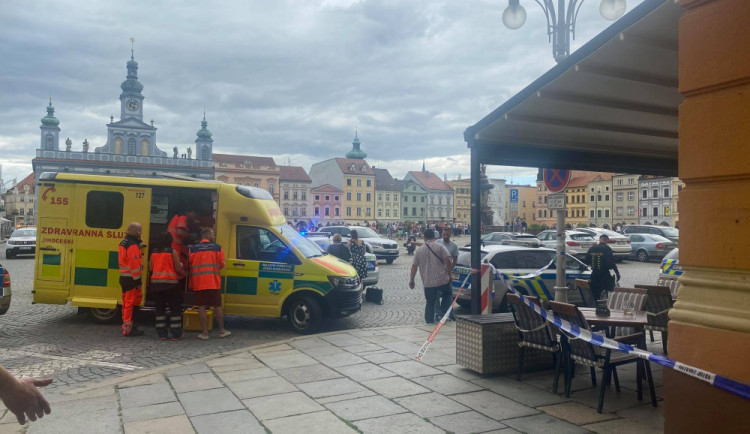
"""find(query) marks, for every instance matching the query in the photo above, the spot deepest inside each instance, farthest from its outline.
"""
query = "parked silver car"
(576, 243)
(383, 248)
(322, 240)
(619, 243)
(647, 246)
(672, 234)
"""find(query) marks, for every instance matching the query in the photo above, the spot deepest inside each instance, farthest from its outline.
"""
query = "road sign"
(513, 195)
(556, 179)
(514, 206)
(556, 201)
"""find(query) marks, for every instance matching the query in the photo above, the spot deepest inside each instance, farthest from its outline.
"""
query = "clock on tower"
(132, 104)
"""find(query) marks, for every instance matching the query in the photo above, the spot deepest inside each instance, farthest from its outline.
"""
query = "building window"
(336, 211)
(368, 211)
(606, 213)
(327, 211)
(414, 211)
(395, 213)
(328, 198)
(406, 211)
(104, 209)
(359, 183)
(406, 198)
(631, 181)
(348, 195)
(286, 195)
(348, 211)
(48, 143)
(631, 210)
(619, 182)
(421, 210)
(131, 146)
(317, 211)
(388, 213)
(369, 182)
(359, 197)
(656, 193)
(294, 195)
(423, 198)
(286, 211)
(644, 212)
(369, 197)
(380, 197)
(304, 195)
(349, 182)
(317, 197)
(359, 211)
(620, 211)
(256, 185)
(606, 197)
(666, 192)
(631, 195)
(270, 188)
(303, 211)
(380, 213)
(599, 213)
(619, 197)
(388, 197)
(656, 211)
(591, 213)
(335, 198)
(294, 211)
(644, 193)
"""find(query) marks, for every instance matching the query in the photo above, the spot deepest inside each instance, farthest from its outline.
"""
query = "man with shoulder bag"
(435, 264)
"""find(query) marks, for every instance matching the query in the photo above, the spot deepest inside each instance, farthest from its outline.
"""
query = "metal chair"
(533, 332)
(576, 350)
(618, 299)
(658, 305)
(584, 288)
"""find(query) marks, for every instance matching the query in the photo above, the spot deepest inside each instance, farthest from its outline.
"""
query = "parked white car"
(577, 243)
(21, 242)
(619, 243)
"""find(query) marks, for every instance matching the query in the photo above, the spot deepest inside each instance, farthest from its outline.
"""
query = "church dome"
(131, 85)
(50, 120)
(204, 133)
(356, 152)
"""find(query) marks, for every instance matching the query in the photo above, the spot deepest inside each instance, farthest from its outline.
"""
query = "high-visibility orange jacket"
(179, 222)
(163, 273)
(206, 262)
(129, 258)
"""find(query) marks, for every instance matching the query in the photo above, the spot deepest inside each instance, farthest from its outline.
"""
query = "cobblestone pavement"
(52, 340)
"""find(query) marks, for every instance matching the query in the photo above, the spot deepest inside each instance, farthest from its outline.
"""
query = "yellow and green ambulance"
(271, 270)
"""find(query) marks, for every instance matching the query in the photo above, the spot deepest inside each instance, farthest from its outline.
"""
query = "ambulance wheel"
(642, 255)
(105, 316)
(305, 315)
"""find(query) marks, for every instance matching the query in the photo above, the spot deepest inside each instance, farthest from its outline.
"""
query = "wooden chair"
(584, 288)
(533, 332)
(619, 297)
(576, 350)
(658, 305)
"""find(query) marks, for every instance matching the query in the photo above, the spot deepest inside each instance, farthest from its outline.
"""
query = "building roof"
(293, 173)
(255, 162)
(346, 164)
(430, 181)
(384, 181)
(29, 180)
(326, 188)
(581, 181)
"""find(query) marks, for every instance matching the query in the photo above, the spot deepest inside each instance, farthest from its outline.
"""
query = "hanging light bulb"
(514, 15)
(612, 9)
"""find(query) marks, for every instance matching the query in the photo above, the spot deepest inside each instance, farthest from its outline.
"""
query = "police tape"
(724, 383)
(443, 320)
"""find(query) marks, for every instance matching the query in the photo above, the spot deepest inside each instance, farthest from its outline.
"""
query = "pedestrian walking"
(339, 250)
(450, 245)
(601, 259)
(166, 269)
(206, 262)
(131, 266)
(357, 248)
(434, 264)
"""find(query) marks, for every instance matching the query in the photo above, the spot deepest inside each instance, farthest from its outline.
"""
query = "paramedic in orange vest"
(166, 269)
(179, 228)
(206, 262)
(131, 267)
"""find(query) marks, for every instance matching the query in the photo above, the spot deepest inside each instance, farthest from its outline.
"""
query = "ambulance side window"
(259, 244)
(104, 209)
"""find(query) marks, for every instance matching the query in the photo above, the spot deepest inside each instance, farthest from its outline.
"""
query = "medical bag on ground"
(191, 320)
(374, 295)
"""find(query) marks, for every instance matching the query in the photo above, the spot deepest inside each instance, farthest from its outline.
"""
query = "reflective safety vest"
(129, 258)
(162, 266)
(206, 262)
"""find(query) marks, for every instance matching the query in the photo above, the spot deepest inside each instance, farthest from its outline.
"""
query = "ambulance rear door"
(103, 215)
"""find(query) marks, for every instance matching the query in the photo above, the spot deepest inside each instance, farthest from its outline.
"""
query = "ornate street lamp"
(561, 21)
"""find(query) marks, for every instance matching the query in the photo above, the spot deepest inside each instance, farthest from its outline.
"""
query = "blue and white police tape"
(442, 322)
(719, 381)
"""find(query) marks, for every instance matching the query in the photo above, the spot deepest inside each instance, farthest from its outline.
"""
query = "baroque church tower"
(50, 130)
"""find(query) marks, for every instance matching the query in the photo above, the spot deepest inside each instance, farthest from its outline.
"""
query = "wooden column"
(710, 326)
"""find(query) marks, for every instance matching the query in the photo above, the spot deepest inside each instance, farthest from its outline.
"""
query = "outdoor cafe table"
(617, 318)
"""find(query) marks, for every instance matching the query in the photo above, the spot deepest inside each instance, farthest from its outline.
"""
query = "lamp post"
(561, 21)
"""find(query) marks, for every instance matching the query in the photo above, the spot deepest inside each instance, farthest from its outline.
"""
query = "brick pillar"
(710, 326)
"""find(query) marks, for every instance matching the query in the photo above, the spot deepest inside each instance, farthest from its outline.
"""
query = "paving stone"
(645, 414)
(522, 392)
(380, 339)
(323, 422)
(436, 358)
(232, 360)
(12, 428)
(239, 422)
(431, 404)
(460, 372)
(313, 342)
(261, 387)
(167, 425)
(155, 411)
(363, 349)
(408, 349)
(254, 364)
(143, 381)
(395, 387)
(493, 405)
(410, 369)
(365, 408)
(294, 403)
(195, 368)
(613, 401)
(364, 372)
(466, 423)
(190, 383)
(345, 397)
(289, 361)
(307, 374)
(140, 396)
(621, 426)
(92, 421)
(246, 374)
(403, 423)
(543, 423)
(365, 332)
(271, 349)
(327, 350)
(209, 401)
(339, 386)
(343, 340)
(386, 357)
(344, 359)
(575, 413)
(446, 384)
(272, 354)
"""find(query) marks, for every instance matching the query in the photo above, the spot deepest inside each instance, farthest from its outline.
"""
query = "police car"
(5, 292)
(509, 262)
(322, 240)
(670, 270)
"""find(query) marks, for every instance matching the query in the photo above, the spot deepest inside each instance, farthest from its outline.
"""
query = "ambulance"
(271, 270)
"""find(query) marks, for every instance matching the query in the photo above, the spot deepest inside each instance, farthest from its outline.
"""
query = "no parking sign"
(556, 179)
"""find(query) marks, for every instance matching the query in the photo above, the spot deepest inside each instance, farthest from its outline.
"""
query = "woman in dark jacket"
(339, 250)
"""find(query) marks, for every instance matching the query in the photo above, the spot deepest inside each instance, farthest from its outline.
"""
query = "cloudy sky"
(291, 79)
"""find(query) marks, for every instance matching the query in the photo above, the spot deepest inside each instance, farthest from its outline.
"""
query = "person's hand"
(411, 285)
(617, 276)
(23, 399)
